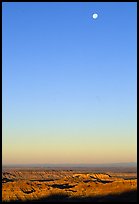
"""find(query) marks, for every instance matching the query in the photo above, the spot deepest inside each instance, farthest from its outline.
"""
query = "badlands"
(69, 185)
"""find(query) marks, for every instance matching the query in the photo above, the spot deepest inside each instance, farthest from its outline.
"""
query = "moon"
(95, 16)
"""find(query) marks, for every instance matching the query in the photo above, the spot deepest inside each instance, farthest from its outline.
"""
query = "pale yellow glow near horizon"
(86, 146)
(68, 153)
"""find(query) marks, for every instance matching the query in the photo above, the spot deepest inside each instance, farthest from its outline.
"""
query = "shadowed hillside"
(130, 196)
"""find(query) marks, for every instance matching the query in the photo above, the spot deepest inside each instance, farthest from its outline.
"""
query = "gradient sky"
(69, 83)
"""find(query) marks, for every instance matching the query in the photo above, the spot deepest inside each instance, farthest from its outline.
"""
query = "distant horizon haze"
(134, 164)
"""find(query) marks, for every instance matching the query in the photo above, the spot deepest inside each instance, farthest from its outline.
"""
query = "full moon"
(95, 16)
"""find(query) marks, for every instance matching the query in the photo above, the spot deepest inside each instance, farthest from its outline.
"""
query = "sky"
(69, 82)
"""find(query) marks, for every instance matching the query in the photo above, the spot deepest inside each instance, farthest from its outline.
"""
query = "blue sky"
(69, 82)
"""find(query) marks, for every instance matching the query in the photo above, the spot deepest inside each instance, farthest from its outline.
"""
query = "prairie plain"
(69, 184)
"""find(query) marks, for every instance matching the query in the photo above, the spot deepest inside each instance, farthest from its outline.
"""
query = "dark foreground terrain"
(69, 185)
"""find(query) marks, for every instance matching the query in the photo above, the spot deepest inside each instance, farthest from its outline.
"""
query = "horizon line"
(63, 164)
